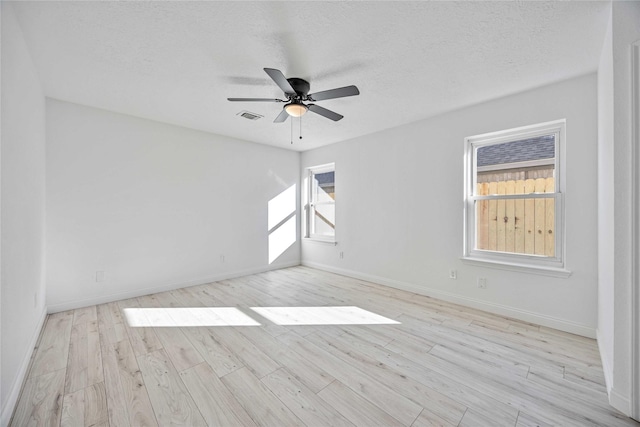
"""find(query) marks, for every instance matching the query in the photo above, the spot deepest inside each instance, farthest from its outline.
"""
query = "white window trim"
(521, 262)
(329, 167)
(527, 164)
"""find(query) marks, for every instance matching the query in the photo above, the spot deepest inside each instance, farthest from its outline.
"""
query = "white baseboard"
(620, 402)
(616, 399)
(503, 310)
(102, 299)
(16, 387)
(606, 363)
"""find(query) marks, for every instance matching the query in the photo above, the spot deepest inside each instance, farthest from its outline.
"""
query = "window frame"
(310, 203)
(536, 263)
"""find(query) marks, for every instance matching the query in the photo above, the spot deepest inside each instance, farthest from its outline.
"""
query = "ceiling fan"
(296, 92)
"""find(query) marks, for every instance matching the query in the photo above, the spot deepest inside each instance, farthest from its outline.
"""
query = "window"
(320, 208)
(513, 197)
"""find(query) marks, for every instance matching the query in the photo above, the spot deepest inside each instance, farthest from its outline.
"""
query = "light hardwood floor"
(442, 365)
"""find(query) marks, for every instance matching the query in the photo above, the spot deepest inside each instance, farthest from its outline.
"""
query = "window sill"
(513, 266)
(320, 240)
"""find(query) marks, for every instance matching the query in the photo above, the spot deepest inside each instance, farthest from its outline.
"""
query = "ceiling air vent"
(249, 115)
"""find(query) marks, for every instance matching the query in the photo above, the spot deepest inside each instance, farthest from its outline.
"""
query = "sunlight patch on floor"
(187, 317)
(290, 316)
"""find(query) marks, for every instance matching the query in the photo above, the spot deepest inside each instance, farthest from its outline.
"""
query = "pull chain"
(299, 129)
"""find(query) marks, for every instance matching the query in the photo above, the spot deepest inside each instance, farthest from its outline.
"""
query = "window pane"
(514, 201)
(321, 207)
(324, 187)
(529, 158)
(523, 226)
(323, 221)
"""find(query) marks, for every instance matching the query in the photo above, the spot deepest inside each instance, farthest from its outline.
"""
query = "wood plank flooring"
(442, 365)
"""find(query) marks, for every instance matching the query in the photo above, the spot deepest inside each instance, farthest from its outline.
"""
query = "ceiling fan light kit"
(296, 92)
(296, 109)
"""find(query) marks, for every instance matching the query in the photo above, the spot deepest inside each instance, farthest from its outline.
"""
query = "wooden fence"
(525, 226)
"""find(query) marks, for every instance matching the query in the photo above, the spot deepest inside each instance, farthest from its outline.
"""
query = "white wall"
(606, 191)
(399, 212)
(616, 295)
(22, 208)
(153, 206)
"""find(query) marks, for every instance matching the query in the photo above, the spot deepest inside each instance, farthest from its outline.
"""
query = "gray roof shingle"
(325, 178)
(542, 147)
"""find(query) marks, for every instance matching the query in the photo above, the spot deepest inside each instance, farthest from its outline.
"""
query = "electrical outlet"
(222, 258)
(99, 276)
(482, 282)
(341, 255)
(453, 274)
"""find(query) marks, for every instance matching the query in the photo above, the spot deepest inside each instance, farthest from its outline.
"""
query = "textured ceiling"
(177, 62)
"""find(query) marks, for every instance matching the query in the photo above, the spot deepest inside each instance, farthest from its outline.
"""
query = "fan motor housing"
(301, 86)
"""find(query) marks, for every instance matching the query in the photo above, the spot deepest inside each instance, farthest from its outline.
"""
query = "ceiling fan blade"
(324, 112)
(282, 116)
(254, 100)
(340, 92)
(281, 80)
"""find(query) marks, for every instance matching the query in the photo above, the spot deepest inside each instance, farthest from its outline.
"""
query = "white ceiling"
(177, 62)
